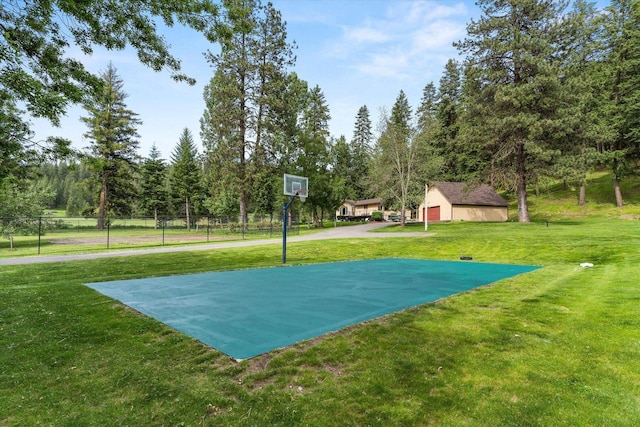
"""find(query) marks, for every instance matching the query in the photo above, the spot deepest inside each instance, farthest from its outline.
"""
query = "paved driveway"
(347, 232)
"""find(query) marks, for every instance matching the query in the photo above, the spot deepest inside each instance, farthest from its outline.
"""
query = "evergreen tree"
(243, 100)
(342, 165)
(186, 175)
(427, 112)
(622, 38)
(314, 157)
(448, 144)
(431, 165)
(516, 56)
(154, 198)
(361, 146)
(113, 136)
(583, 80)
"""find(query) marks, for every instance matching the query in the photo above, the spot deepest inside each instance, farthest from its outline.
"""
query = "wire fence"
(57, 234)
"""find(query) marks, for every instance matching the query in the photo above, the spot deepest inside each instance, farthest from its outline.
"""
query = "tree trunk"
(155, 218)
(102, 204)
(492, 174)
(618, 193)
(521, 184)
(186, 210)
(582, 198)
(244, 217)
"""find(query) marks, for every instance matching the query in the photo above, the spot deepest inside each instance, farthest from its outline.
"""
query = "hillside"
(557, 201)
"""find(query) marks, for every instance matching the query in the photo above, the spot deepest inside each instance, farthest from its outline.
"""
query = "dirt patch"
(137, 240)
(630, 216)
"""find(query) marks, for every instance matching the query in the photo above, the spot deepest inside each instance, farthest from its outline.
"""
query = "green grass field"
(559, 346)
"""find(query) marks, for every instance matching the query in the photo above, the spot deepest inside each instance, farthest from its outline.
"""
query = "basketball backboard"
(296, 186)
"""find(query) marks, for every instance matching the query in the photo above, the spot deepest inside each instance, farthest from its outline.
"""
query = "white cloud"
(365, 35)
(407, 34)
(437, 36)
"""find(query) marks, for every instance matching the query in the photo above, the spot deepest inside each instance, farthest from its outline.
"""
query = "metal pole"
(108, 228)
(285, 208)
(426, 207)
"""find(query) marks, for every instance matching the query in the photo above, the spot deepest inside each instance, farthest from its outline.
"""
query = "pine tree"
(583, 80)
(342, 165)
(431, 165)
(622, 62)
(460, 158)
(113, 136)
(243, 101)
(360, 147)
(186, 175)
(153, 197)
(514, 69)
(314, 157)
(427, 112)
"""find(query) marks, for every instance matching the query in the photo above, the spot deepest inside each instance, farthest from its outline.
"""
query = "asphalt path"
(347, 232)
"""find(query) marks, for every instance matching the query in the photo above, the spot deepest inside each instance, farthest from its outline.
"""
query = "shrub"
(376, 216)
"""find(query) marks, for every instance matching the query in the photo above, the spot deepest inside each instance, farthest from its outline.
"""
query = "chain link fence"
(50, 234)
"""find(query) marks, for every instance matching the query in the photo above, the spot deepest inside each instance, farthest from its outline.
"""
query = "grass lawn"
(558, 346)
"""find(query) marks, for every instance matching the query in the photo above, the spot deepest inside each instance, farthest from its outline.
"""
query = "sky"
(359, 52)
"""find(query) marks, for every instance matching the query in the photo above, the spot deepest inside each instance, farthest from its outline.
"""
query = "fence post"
(108, 230)
(164, 225)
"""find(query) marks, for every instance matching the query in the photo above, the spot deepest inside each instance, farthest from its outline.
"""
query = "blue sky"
(359, 52)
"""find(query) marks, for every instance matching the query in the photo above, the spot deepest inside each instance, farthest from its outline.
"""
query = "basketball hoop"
(293, 186)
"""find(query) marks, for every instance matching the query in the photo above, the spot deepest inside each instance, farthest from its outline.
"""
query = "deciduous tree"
(38, 72)
(396, 158)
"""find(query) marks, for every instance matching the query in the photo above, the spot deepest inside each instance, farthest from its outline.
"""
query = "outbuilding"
(457, 201)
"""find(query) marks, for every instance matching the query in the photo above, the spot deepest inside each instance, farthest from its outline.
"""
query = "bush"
(376, 216)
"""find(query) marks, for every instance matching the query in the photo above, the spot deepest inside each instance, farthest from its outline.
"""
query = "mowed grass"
(559, 346)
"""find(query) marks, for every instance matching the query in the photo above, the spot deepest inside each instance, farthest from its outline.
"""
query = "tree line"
(547, 90)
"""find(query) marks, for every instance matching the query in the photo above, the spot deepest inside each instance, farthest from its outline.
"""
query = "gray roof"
(459, 193)
(368, 202)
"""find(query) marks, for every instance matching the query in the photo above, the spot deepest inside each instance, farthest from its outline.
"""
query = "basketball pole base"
(285, 209)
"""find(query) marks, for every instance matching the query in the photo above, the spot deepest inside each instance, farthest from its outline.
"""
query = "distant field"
(75, 235)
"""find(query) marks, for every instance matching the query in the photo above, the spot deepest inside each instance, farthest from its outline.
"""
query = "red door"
(433, 214)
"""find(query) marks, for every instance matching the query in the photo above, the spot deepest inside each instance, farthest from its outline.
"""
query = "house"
(352, 210)
(357, 210)
(457, 201)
